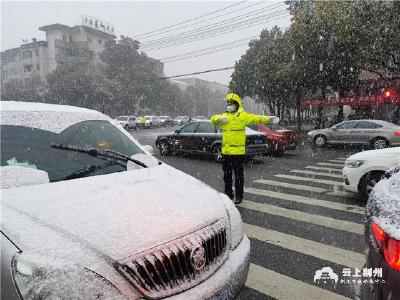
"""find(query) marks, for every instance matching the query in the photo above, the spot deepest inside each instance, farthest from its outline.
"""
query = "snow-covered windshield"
(31, 147)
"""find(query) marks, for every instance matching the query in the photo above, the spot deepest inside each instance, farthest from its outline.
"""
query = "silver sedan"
(376, 133)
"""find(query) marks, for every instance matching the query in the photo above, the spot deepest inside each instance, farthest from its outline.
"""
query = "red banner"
(353, 100)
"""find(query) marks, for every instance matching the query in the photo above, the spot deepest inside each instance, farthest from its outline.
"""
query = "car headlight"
(54, 280)
(353, 163)
(235, 220)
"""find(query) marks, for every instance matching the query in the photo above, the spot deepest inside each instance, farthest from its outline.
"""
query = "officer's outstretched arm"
(218, 119)
(257, 119)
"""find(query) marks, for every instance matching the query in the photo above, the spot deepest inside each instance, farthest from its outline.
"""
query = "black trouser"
(233, 163)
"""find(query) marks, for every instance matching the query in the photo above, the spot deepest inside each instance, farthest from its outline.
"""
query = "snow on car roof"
(33, 106)
(50, 117)
(384, 205)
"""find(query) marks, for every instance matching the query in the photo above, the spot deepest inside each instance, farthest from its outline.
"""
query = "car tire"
(216, 153)
(164, 148)
(126, 127)
(379, 143)
(278, 153)
(320, 140)
(368, 181)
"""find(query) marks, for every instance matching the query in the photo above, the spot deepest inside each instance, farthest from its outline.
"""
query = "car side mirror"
(333, 128)
(149, 149)
(177, 131)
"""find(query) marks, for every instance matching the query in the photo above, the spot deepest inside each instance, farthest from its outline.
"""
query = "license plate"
(223, 295)
(292, 146)
(258, 141)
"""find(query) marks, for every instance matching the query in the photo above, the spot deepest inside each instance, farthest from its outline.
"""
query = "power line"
(219, 31)
(202, 21)
(217, 25)
(159, 78)
(211, 51)
(196, 18)
(209, 48)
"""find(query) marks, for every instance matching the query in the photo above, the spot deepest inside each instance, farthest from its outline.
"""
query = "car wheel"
(320, 140)
(278, 153)
(164, 148)
(368, 182)
(380, 143)
(126, 127)
(216, 153)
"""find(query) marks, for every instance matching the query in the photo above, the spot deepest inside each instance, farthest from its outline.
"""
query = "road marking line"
(337, 161)
(344, 158)
(290, 185)
(284, 287)
(334, 254)
(309, 179)
(305, 200)
(345, 194)
(317, 173)
(324, 169)
(305, 217)
(331, 164)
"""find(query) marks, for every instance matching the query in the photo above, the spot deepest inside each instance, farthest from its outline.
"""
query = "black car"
(382, 234)
(203, 137)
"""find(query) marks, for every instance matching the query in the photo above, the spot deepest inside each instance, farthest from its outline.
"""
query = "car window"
(367, 125)
(190, 128)
(122, 118)
(346, 125)
(254, 127)
(20, 144)
(206, 127)
(275, 127)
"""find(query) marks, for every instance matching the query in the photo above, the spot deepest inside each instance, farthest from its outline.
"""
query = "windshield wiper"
(98, 153)
(88, 170)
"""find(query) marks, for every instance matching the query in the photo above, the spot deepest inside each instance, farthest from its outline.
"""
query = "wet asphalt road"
(297, 218)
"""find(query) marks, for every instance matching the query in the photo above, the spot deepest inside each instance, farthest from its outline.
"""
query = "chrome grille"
(170, 268)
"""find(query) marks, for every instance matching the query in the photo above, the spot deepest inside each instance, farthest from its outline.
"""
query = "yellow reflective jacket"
(233, 131)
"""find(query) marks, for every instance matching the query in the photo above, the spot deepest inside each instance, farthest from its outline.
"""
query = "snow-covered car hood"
(116, 215)
(376, 154)
(384, 204)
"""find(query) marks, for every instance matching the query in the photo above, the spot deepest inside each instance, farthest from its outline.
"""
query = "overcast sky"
(21, 20)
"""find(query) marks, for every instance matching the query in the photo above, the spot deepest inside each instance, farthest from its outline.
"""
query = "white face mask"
(231, 108)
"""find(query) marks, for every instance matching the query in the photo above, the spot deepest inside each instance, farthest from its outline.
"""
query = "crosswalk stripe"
(331, 164)
(337, 161)
(309, 179)
(290, 185)
(325, 252)
(345, 194)
(317, 173)
(324, 169)
(305, 217)
(305, 200)
(284, 287)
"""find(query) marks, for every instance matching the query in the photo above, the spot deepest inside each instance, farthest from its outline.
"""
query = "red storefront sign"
(353, 100)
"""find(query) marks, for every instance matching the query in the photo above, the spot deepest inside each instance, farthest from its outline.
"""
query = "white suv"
(128, 122)
(363, 170)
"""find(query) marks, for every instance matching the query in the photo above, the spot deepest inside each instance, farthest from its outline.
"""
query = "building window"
(37, 52)
(37, 67)
(70, 38)
(28, 68)
(100, 41)
(27, 54)
(64, 37)
(89, 40)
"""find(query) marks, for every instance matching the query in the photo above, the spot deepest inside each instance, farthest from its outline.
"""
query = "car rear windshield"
(275, 127)
(31, 147)
(122, 118)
